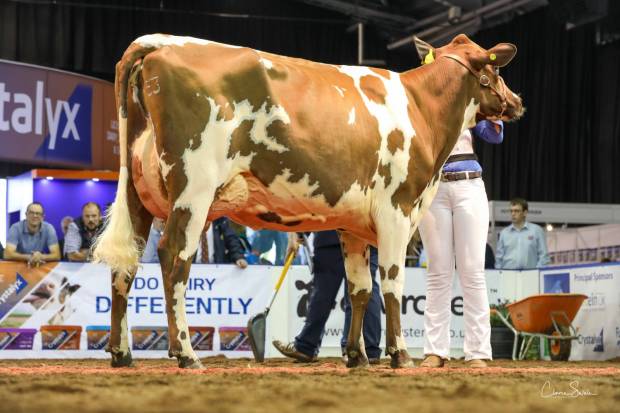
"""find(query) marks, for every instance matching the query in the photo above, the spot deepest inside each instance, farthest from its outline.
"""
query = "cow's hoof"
(189, 363)
(356, 359)
(401, 360)
(121, 360)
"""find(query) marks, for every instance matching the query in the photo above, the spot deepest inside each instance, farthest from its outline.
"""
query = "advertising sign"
(63, 310)
(56, 118)
(598, 321)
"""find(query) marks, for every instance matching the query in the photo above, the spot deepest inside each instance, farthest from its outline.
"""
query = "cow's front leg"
(359, 282)
(392, 242)
(118, 346)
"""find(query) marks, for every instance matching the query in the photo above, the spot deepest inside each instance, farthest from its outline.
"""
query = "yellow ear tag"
(493, 57)
(429, 58)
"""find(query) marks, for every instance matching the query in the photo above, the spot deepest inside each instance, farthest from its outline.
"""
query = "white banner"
(68, 312)
(598, 320)
(62, 310)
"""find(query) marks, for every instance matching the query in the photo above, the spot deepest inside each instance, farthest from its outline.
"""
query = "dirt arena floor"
(67, 386)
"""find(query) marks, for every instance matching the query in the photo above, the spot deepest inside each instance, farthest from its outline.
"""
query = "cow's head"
(495, 98)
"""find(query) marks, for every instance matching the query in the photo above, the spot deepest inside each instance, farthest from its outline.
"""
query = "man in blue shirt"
(521, 245)
(32, 239)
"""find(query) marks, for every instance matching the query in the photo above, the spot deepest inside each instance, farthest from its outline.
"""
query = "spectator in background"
(264, 240)
(521, 245)
(32, 240)
(221, 245)
(82, 232)
(64, 226)
(150, 250)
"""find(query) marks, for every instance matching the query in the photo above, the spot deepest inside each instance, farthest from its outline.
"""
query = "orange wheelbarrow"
(547, 316)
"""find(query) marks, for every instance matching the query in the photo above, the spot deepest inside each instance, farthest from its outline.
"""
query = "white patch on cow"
(469, 116)
(181, 321)
(159, 40)
(339, 90)
(208, 166)
(266, 62)
(390, 116)
(358, 273)
(134, 95)
(264, 118)
(400, 342)
(165, 168)
(197, 94)
(122, 138)
(124, 346)
(352, 116)
(298, 190)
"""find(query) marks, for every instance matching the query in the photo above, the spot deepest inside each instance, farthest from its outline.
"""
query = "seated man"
(32, 240)
(82, 232)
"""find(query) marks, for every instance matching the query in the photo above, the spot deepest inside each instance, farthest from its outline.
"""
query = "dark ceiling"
(434, 20)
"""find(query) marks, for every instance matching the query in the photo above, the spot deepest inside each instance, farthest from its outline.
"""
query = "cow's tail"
(118, 246)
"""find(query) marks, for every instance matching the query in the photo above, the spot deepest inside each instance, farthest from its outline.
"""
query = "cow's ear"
(424, 49)
(500, 55)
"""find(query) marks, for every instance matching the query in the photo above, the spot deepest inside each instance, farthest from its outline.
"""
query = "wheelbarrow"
(547, 316)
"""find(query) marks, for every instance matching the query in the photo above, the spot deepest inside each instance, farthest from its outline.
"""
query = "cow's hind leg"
(359, 282)
(118, 345)
(176, 252)
(393, 236)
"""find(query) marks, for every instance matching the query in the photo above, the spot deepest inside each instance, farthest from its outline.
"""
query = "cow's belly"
(247, 201)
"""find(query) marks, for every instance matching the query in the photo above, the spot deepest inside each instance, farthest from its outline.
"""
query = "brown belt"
(458, 176)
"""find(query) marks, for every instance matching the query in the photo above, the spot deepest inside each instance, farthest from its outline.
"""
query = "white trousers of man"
(456, 226)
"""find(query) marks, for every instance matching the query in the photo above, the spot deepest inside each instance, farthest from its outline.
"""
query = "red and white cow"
(208, 129)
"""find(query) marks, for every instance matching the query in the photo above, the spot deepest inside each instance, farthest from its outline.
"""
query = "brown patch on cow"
(385, 172)
(359, 302)
(275, 74)
(419, 172)
(238, 137)
(393, 272)
(367, 261)
(183, 335)
(270, 217)
(382, 272)
(392, 322)
(344, 162)
(292, 223)
(381, 72)
(395, 140)
(373, 88)
(226, 111)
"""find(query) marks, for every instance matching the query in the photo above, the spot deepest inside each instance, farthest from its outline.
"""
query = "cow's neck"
(443, 94)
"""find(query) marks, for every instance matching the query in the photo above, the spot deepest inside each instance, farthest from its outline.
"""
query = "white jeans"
(456, 225)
